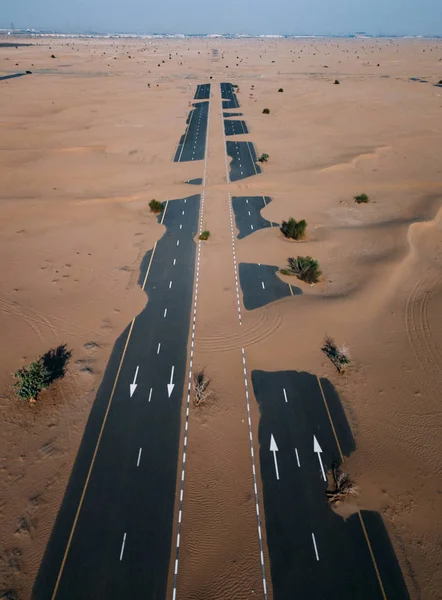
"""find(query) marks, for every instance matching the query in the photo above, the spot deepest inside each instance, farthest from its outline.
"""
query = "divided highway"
(192, 144)
(315, 553)
(112, 537)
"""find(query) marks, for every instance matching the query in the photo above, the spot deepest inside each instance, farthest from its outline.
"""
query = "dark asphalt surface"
(232, 114)
(202, 92)
(13, 76)
(229, 98)
(243, 163)
(235, 127)
(192, 144)
(247, 210)
(297, 513)
(197, 181)
(123, 498)
(260, 285)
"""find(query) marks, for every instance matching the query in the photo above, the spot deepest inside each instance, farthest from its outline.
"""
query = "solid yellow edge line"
(187, 131)
(253, 162)
(331, 420)
(370, 549)
(372, 556)
(60, 573)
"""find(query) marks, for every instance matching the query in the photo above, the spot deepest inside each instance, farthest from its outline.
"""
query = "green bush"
(205, 235)
(337, 82)
(53, 56)
(263, 158)
(362, 198)
(155, 206)
(280, 90)
(293, 229)
(266, 111)
(305, 268)
(31, 380)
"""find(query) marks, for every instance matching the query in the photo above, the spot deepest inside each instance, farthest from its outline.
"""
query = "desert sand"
(88, 140)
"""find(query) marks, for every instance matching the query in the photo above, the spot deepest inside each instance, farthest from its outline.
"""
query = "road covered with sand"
(88, 139)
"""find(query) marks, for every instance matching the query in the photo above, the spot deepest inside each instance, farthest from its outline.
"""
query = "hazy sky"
(398, 17)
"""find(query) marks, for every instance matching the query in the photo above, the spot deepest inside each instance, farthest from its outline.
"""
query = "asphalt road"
(235, 127)
(232, 114)
(229, 98)
(13, 76)
(247, 210)
(202, 92)
(260, 285)
(243, 163)
(192, 144)
(314, 553)
(121, 544)
(197, 181)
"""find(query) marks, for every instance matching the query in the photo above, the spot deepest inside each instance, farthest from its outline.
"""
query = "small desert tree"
(342, 485)
(200, 385)
(31, 380)
(293, 229)
(266, 111)
(205, 235)
(280, 90)
(361, 199)
(305, 268)
(337, 354)
(155, 206)
(263, 158)
(337, 82)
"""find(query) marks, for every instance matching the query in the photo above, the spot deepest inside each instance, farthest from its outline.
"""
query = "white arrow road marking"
(315, 547)
(285, 394)
(274, 449)
(122, 546)
(317, 448)
(133, 386)
(297, 457)
(171, 385)
(139, 457)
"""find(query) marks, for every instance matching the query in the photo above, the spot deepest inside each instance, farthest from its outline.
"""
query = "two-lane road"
(314, 552)
(114, 540)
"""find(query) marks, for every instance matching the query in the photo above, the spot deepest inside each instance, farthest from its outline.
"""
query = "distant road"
(202, 92)
(229, 98)
(192, 145)
(119, 544)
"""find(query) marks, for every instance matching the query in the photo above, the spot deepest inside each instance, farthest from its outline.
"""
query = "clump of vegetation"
(293, 229)
(338, 355)
(266, 111)
(361, 199)
(342, 485)
(38, 375)
(31, 380)
(200, 385)
(155, 206)
(337, 82)
(305, 268)
(263, 158)
(280, 90)
(53, 56)
(205, 235)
